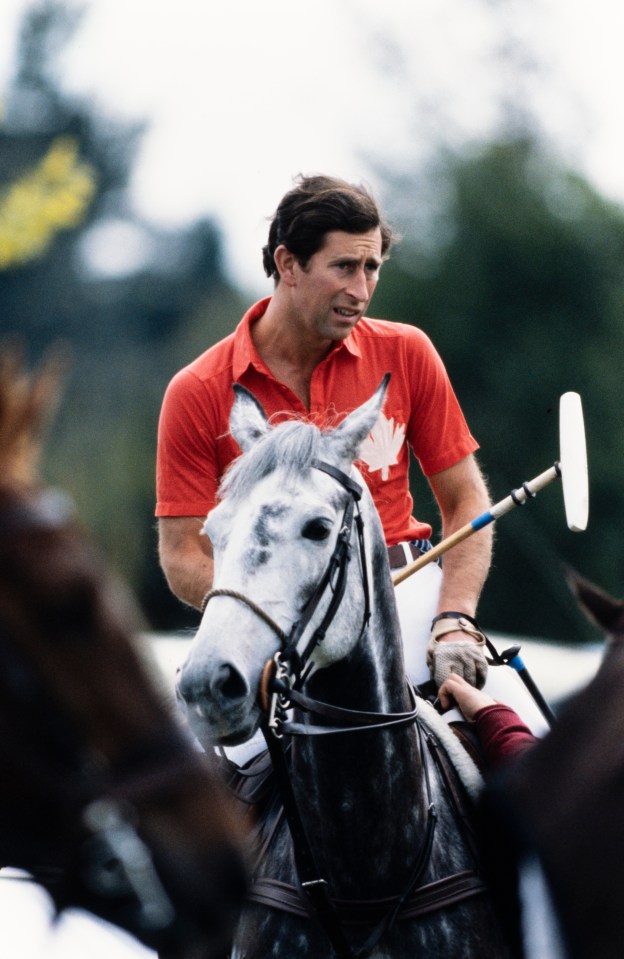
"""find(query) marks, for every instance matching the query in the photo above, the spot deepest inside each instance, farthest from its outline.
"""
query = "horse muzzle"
(219, 703)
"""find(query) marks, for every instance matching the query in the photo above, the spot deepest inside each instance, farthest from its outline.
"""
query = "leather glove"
(464, 657)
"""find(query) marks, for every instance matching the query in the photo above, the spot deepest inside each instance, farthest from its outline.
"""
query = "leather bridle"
(289, 660)
(281, 688)
(285, 674)
(283, 677)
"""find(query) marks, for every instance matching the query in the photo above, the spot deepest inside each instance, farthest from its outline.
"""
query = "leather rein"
(282, 679)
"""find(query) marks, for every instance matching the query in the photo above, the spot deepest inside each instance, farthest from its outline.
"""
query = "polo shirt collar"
(246, 354)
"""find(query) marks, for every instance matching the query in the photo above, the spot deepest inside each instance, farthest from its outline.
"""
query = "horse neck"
(372, 677)
(346, 782)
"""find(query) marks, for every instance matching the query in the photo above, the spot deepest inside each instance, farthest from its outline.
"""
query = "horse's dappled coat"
(365, 799)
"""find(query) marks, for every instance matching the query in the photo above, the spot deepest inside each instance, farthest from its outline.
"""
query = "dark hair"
(316, 206)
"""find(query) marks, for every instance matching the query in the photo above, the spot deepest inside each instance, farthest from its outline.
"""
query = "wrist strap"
(451, 622)
(450, 614)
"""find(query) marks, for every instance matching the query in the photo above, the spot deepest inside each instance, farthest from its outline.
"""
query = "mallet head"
(573, 461)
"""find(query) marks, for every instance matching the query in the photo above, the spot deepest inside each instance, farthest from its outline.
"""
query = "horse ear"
(348, 437)
(248, 421)
(27, 403)
(598, 606)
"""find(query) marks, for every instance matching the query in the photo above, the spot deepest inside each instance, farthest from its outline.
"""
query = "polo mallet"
(571, 468)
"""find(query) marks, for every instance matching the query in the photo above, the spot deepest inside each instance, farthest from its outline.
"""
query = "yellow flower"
(55, 195)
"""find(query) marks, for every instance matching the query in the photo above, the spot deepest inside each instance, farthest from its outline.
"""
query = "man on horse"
(309, 350)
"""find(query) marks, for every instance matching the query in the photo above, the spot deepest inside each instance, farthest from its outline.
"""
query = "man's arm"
(185, 557)
(462, 495)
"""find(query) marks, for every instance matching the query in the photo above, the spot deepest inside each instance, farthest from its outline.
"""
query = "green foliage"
(127, 335)
(520, 284)
(513, 265)
(103, 447)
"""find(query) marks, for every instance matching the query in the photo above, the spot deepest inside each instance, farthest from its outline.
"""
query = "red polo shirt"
(195, 447)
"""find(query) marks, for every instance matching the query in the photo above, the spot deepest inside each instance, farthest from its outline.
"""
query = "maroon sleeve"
(502, 733)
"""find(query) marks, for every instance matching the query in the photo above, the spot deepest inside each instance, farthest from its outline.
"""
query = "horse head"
(105, 800)
(285, 507)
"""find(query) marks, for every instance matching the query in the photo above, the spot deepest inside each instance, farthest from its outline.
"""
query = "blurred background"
(143, 146)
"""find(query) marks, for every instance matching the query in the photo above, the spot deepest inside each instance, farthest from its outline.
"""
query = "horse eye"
(316, 529)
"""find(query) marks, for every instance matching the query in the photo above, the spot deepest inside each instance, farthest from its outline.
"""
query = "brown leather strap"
(426, 899)
(396, 555)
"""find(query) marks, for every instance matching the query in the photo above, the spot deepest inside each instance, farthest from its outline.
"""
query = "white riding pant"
(417, 604)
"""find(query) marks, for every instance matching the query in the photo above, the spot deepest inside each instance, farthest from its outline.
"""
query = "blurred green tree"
(515, 267)
(512, 264)
(64, 170)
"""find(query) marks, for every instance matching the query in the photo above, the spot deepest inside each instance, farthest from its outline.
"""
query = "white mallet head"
(573, 461)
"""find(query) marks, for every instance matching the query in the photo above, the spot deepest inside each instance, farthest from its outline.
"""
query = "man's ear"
(285, 261)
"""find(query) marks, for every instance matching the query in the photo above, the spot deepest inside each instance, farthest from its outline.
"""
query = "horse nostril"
(187, 689)
(229, 684)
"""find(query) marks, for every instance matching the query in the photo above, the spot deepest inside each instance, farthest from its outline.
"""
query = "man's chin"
(340, 331)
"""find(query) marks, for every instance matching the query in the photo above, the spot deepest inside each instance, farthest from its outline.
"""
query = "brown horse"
(561, 809)
(104, 799)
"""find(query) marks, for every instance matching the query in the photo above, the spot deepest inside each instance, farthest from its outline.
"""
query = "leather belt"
(402, 554)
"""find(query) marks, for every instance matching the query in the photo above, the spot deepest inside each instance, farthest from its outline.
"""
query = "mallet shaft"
(517, 497)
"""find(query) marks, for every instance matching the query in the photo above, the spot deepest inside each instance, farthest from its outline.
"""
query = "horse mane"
(27, 402)
(291, 445)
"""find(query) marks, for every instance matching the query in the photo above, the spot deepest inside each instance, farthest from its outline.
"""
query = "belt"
(404, 553)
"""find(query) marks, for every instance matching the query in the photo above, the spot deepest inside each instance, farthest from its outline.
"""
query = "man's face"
(333, 291)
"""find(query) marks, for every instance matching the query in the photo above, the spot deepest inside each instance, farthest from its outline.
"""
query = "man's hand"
(464, 654)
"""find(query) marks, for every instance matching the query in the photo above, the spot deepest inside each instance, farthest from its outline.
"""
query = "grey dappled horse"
(383, 844)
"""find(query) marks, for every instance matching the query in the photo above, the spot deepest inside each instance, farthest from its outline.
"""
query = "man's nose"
(358, 286)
